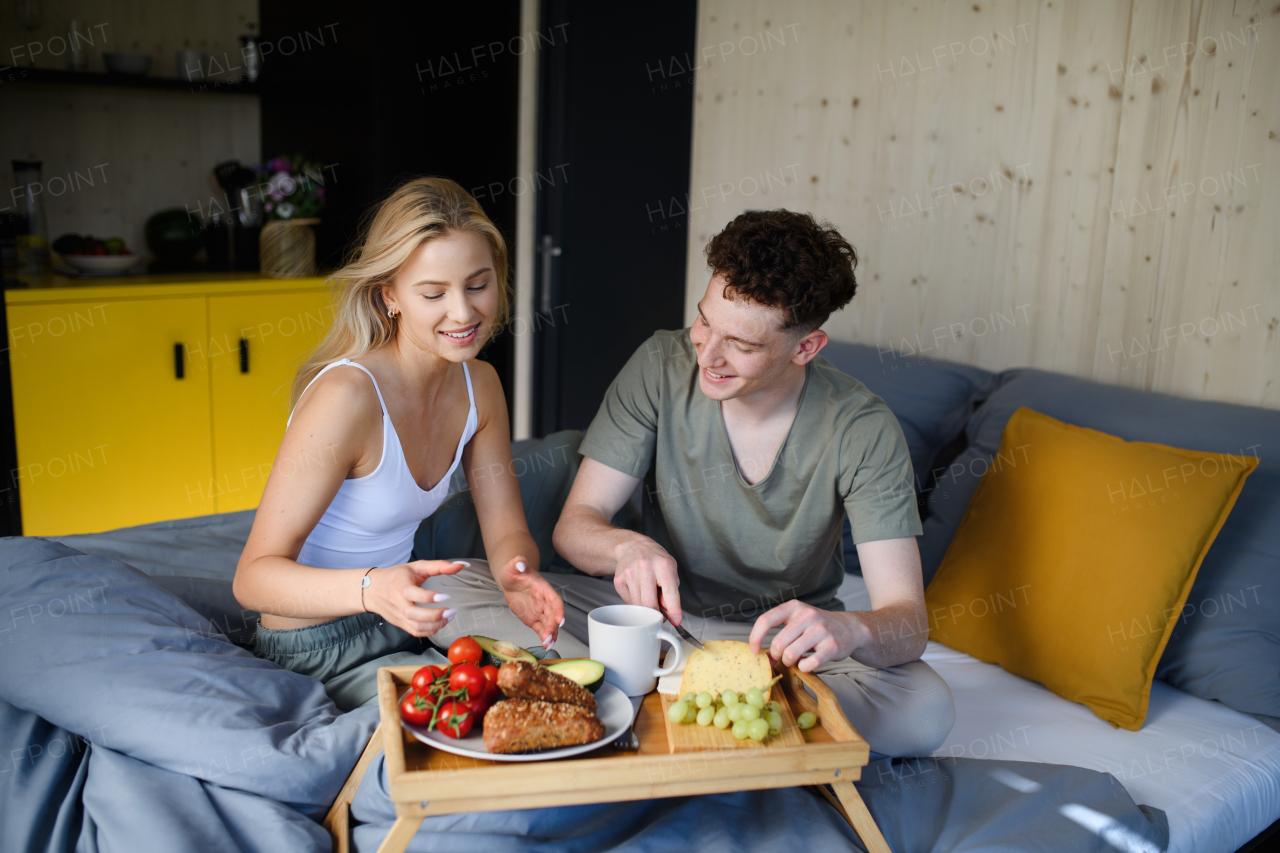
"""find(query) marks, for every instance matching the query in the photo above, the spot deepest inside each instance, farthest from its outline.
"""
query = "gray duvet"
(129, 722)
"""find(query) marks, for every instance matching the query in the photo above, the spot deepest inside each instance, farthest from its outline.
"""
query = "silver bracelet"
(365, 582)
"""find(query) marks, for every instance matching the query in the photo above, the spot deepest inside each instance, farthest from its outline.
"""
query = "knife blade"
(692, 640)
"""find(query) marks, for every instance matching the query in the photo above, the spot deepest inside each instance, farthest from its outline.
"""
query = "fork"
(628, 740)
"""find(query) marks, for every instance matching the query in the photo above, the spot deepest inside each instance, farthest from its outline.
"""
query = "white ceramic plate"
(103, 263)
(612, 707)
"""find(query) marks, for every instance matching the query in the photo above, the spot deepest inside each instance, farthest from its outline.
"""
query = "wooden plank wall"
(145, 149)
(1089, 187)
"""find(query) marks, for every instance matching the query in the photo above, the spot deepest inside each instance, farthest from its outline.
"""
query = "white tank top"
(372, 519)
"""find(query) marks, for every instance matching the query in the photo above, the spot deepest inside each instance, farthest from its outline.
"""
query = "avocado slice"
(498, 652)
(584, 671)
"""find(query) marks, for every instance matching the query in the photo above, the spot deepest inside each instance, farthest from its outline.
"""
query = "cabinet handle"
(177, 361)
(244, 356)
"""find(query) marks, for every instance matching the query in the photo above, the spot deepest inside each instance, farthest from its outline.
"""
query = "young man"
(752, 448)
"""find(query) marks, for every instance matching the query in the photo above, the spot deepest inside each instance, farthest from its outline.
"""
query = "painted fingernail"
(449, 614)
(462, 563)
(442, 596)
(561, 622)
(520, 566)
(546, 641)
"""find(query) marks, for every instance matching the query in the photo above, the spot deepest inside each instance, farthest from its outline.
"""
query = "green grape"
(740, 730)
(775, 707)
(775, 722)
(705, 716)
(755, 698)
(806, 720)
(677, 710)
(735, 712)
(758, 730)
(750, 712)
(689, 697)
(690, 712)
(721, 719)
(703, 700)
(729, 697)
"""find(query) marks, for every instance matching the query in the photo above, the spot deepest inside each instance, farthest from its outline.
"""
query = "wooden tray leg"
(859, 818)
(402, 832)
(337, 821)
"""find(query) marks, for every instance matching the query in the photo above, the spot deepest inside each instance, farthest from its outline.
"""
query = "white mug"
(626, 638)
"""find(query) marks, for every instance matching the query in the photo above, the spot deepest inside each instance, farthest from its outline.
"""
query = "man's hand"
(830, 636)
(532, 598)
(644, 566)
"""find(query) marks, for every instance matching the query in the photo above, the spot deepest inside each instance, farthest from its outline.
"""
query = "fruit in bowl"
(90, 254)
(73, 245)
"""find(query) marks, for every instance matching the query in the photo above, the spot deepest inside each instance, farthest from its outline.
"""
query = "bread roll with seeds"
(525, 725)
(522, 680)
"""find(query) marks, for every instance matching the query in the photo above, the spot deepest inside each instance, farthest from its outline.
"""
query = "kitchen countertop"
(53, 287)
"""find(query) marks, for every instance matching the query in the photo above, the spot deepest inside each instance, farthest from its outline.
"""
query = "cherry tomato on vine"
(490, 674)
(455, 719)
(465, 650)
(467, 676)
(415, 709)
(477, 707)
(424, 678)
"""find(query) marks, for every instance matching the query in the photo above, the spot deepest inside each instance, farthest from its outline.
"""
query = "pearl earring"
(391, 312)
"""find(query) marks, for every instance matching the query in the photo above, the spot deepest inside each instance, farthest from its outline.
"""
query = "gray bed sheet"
(92, 796)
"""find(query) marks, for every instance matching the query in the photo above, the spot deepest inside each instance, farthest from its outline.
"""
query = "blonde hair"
(417, 211)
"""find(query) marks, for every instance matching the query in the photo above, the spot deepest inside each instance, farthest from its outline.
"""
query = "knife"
(685, 635)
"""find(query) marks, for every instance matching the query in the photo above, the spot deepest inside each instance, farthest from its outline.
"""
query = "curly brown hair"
(787, 260)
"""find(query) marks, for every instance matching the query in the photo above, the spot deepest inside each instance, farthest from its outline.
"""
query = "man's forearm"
(890, 636)
(587, 540)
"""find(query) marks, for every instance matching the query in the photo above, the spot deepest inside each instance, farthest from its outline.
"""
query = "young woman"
(388, 407)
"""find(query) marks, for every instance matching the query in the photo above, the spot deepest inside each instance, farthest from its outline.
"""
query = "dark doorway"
(615, 134)
(389, 92)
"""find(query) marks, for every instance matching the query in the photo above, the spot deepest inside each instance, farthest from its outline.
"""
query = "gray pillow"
(932, 399)
(1224, 646)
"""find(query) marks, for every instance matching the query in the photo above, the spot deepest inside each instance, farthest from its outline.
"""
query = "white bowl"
(102, 263)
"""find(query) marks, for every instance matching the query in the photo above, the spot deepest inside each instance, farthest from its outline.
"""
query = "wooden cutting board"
(691, 737)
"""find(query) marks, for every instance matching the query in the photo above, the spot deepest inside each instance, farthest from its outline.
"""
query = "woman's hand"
(532, 598)
(396, 592)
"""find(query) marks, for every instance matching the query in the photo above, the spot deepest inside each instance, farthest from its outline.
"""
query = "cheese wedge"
(726, 665)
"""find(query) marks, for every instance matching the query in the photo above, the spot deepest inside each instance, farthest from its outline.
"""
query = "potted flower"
(292, 193)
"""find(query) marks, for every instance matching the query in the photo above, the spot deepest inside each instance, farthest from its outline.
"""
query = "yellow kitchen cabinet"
(256, 344)
(129, 401)
(108, 434)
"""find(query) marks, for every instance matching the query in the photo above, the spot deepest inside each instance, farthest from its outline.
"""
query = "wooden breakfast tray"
(424, 781)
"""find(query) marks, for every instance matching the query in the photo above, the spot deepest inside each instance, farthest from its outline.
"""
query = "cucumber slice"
(584, 671)
(498, 652)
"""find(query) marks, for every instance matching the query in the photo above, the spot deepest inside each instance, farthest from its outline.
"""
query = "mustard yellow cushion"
(1076, 556)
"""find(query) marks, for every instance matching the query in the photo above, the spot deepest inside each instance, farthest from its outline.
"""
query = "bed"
(132, 722)
(1213, 771)
(147, 628)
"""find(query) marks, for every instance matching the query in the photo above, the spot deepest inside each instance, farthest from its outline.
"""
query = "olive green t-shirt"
(742, 549)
